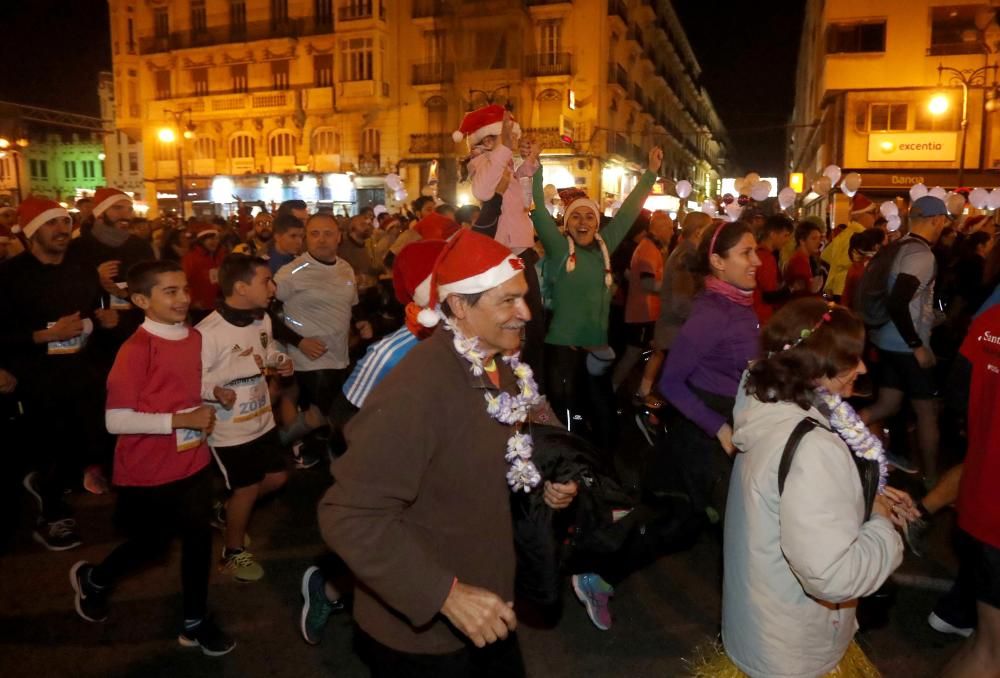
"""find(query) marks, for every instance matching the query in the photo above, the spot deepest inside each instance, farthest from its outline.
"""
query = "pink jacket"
(514, 229)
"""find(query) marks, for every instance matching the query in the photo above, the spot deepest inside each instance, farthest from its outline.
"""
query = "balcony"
(617, 75)
(955, 48)
(549, 63)
(438, 144)
(425, 9)
(359, 11)
(435, 73)
(317, 99)
(262, 102)
(235, 33)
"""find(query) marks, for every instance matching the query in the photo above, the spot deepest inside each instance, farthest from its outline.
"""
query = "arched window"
(282, 143)
(204, 148)
(549, 108)
(241, 146)
(437, 115)
(325, 141)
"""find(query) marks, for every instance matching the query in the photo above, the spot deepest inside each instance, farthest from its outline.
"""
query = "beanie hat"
(411, 271)
(483, 122)
(436, 227)
(106, 196)
(33, 212)
(468, 264)
(860, 204)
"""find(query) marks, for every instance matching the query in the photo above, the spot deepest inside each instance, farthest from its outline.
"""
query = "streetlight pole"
(167, 135)
(966, 78)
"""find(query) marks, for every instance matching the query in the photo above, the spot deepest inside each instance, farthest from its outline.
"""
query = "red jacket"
(768, 280)
(202, 270)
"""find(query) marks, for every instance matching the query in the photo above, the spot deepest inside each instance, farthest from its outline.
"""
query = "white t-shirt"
(227, 360)
(318, 298)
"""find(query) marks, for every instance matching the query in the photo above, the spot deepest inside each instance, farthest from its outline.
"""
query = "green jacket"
(580, 300)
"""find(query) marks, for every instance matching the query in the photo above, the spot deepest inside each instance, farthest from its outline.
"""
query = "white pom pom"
(427, 317)
(16, 228)
(457, 136)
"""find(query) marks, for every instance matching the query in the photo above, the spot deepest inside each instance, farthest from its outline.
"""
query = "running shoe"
(58, 535)
(316, 607)
(594, 593)
(30, 483)
(942, 626)
(241, 566)
(301, 459)
(207, 636)
(91, 601)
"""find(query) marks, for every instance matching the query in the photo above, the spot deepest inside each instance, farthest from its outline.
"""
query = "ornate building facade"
(266, 100)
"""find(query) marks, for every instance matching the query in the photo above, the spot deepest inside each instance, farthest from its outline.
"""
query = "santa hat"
(436, 227)
(106, 196)
(411, 271)
(470, 263)
(860, 204)
(483, 122)
(199, 230)
(33, 212)
(574, 199)
(379, 210)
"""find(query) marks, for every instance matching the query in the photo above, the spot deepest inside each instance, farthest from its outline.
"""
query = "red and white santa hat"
(483, 122)
(33, 212)
(468, 264)
(860, 204)
(106, 196)
(411, 271)
(200, 230)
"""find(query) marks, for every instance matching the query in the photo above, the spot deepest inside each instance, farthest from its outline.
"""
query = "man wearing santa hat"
(50, 302)
(201, 266)
(425, 526)
(837, 253)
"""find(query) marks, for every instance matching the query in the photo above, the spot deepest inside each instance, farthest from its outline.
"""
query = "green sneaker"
(241, 566)
(316, 607)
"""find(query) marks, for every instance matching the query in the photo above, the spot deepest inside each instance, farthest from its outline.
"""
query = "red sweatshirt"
(202, 270)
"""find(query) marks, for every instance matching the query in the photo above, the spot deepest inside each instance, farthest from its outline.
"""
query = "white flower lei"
(848, 425)
(507, 409)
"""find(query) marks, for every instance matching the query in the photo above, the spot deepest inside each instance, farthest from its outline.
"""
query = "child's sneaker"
(316, 607)
(91, 601)
(301, 457)
(58, 535)
(595, 594)
(241, 566)
(207, 636)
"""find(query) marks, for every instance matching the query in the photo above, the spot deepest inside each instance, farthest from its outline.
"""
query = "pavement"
(661, 613)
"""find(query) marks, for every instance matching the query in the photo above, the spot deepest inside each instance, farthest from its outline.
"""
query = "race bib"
(252, 399)
(66, 346)
(118, 303)
(188, 438)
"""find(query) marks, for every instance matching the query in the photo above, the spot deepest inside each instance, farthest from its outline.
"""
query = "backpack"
(873, 291)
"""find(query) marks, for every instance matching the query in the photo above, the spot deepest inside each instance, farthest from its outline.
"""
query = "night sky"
(54, 49)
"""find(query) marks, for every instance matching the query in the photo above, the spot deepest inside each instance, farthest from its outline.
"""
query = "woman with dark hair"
(806, 534)
(706, 360)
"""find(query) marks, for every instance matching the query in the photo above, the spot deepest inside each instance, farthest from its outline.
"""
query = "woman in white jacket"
(796, 562)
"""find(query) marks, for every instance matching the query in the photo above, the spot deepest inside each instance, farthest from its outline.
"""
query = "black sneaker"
(30, 483)
(91, 602)
(209, 637)
(301, 458)
(59, 535)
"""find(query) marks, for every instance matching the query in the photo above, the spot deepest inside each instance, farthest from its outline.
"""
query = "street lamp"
(966, 78)
(167, 135)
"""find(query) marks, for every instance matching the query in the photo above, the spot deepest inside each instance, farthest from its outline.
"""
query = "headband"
(805, 334)
(711, 245)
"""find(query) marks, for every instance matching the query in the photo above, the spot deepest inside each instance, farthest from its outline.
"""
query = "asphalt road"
(660, 613)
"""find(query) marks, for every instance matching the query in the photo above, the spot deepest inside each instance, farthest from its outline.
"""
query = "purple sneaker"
(594, 593)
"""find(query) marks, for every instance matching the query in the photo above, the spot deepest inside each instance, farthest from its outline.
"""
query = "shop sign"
(913, 147)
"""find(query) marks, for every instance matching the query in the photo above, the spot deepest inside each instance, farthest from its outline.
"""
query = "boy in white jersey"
(238, 351)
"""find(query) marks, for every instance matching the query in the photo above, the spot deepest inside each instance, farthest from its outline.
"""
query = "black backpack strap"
(798, 433)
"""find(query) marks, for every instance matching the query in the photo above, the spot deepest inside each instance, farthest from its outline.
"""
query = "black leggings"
(151, 517)
(570, 388)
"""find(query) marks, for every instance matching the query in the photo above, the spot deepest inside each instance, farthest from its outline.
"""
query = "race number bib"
(252, 399)
(188, 438)
(118, 303)
(66, 346)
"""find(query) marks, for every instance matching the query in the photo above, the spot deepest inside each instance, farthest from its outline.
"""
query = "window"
(435, 46)
(131, 36)
(165, 151)
(161, 23)
(69, 169)
(199, 21)
(323, 10)
(437, 115)
(279, 74)
(199, 81)
(238, 73)
(550, 37)
(237, 17)
(953, 30)
(133, 161)
(33, 168)
(325, 141)
(856, 37)
(241, 146)
(323, 70)
(357, 60)
(88, 169)
(887, 117)
(162, 84)
(279, 12)
(121, 163)
(371, 142)
(204, 148)
(282, 144)
(489, 50)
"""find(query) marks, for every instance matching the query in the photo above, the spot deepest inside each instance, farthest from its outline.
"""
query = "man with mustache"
(50, 301)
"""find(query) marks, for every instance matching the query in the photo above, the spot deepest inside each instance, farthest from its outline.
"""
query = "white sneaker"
(941, 626)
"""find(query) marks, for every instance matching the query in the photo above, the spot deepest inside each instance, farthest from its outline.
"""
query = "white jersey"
(227, 361)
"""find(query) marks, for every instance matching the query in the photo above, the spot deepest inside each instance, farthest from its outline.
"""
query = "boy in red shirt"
(771, 292)
(161, 458)
(977, 506)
